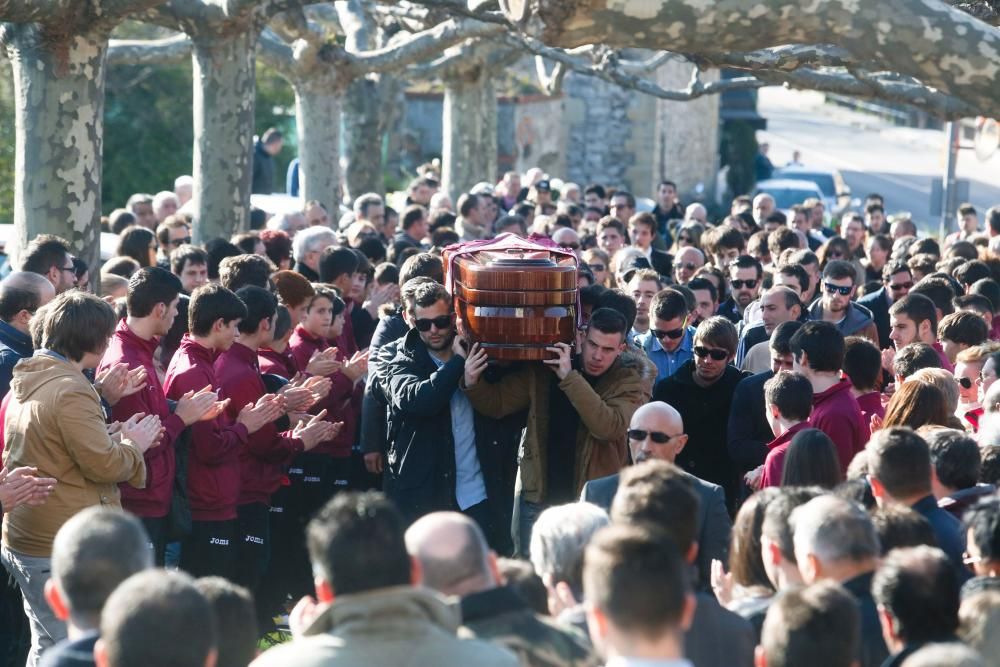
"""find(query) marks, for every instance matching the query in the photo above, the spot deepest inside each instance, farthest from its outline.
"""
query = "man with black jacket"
(434, 441)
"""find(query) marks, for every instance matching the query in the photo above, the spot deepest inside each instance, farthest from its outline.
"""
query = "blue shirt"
(666, 362)
(470, 489)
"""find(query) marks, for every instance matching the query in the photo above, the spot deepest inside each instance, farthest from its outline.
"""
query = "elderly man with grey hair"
(307, 248)
(558, 540)
(836, 540)
(455, 560)
(292, 223)
(92, 554)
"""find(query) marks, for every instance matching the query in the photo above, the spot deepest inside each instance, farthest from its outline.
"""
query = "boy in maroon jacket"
(267, 451)
(214, 459)
(152, 299)
(818, 350)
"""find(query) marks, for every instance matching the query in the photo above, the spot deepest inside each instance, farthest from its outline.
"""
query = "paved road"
(873, 156)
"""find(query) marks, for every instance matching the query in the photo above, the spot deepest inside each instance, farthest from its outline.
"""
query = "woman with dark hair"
(138, 243)
(835, 248)
(746, 590)
(689, 234)
(916, 404)
(811, 460)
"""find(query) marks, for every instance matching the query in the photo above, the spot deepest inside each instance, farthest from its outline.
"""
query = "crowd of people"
(774, 441)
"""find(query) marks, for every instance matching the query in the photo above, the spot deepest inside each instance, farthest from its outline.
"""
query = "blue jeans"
(525, 515)
(31, 573)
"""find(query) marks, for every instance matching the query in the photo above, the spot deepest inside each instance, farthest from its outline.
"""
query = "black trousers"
(253, 544)
(210, 549)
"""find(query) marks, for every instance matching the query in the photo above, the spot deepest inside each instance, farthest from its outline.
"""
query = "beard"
(443, 342)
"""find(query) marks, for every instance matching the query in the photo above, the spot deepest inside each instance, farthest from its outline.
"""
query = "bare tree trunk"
(317, 119)
(59, 106)
(469, 131)
(224, 93)
(363, 139)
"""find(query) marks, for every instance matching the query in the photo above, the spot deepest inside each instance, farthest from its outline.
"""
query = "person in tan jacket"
(578, 412)
(54, 423)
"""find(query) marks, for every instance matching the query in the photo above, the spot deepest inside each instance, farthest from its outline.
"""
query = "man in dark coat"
(896, 283)
(702, 391)
(264, 151)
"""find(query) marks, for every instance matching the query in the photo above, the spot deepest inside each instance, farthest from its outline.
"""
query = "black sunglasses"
(179, 242)
(717, 355)
(659, 437)
(965, 383)
(738, 284)
(673, 334)
(837, 289)
(442, 322)
(597, 267)
(688, 266)
(896, 287)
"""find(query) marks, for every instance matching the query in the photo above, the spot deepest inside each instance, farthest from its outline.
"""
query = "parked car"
(788, 192)
(836, 195)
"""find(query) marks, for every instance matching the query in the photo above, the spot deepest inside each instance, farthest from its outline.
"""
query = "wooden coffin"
(515, 303)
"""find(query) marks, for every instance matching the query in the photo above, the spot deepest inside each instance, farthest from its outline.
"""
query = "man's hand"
(23, 486)
(316, 430)
(298, 399)
(888, 356)
(460, 346)
(753, 477)
(303, 614)
(117, 382)
(143, 431)
(357, 366)
(319, 385)
(374, 463)
(254, 416)
(722, 583)
(475, 365)
(380, 295)
(324, 363)
(193, 406)
(563, 363)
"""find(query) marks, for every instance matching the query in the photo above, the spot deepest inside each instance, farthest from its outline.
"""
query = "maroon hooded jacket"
(836, 413)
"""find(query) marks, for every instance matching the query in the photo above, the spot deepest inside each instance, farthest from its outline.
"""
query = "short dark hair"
(597, 189)
(260, 304)
(818, 625)
(186, 254)
(44, 252)
(337, 305)
(990, 289)
(336, 261)
(780, 239)
(974, 302)
(811, 459)
(659, 494)
(608, 321)
(913, 357)
(983, 520)
(277, 245)
(617, 300)
(134, 242)
(149, 286)
(919, 588)
(356, 543)
(823, 343)
(797, 272)
(629, 197)
(971, 271)
(668, 304)
(899, 526)
(14, 299)
(73, 324)
(955, 457)
(241, 270)
(158, 618)
(718, 331)
(422, 264)
(993, 219)
(862, 363)
(892, 268)
(963, 328)
(938, 289)
(901, 461)
(210, 303)
(638, 578)
(791, 393)
(918, 308)
(426, 295)
(839, 269)
(704, 284)
(233, 608)
(412, 214)
(217, 250)
(781, 337)
(282, 323)
(747, 262)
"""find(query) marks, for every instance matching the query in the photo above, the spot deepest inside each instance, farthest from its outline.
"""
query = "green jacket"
(401, 626)
(605, 411)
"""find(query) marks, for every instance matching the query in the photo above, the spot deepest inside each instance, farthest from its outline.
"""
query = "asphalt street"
(871, 154)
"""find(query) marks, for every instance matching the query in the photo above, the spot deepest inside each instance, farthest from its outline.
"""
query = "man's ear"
(416, 572)
(54, 598)
(494, 568)
(692, 553)
(877, 489)
(324, 590)
(681, 441)
(687, 616)
(759, 659)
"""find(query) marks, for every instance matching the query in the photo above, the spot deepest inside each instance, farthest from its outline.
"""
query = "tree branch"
(785, 58)
(421, 45)
(149, 52)
(273, 51)
(984, 10)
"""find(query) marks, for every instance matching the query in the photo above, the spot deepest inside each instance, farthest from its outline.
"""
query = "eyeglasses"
(673, 334)
(68, 268)
(716, 354)
(690, 266)
(659, 437)
(738, 284)
(965, 383)
(597, 267)
(895, 287)
(177, 243)
(425, 324)
(837, 289)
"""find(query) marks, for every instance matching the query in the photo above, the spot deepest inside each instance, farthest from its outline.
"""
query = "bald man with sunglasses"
(656, 431)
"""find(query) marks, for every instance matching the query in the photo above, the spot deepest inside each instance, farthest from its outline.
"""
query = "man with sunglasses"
(896, 283)
(669, 343)
(835, 306)
(171, 234)
(745, 280)
(687, 262)
(578, 406)
(702, 392)
(436, 442)
(656, 432)
(49, 256)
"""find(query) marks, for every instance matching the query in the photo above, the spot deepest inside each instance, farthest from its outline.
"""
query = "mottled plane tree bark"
(57, 50)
